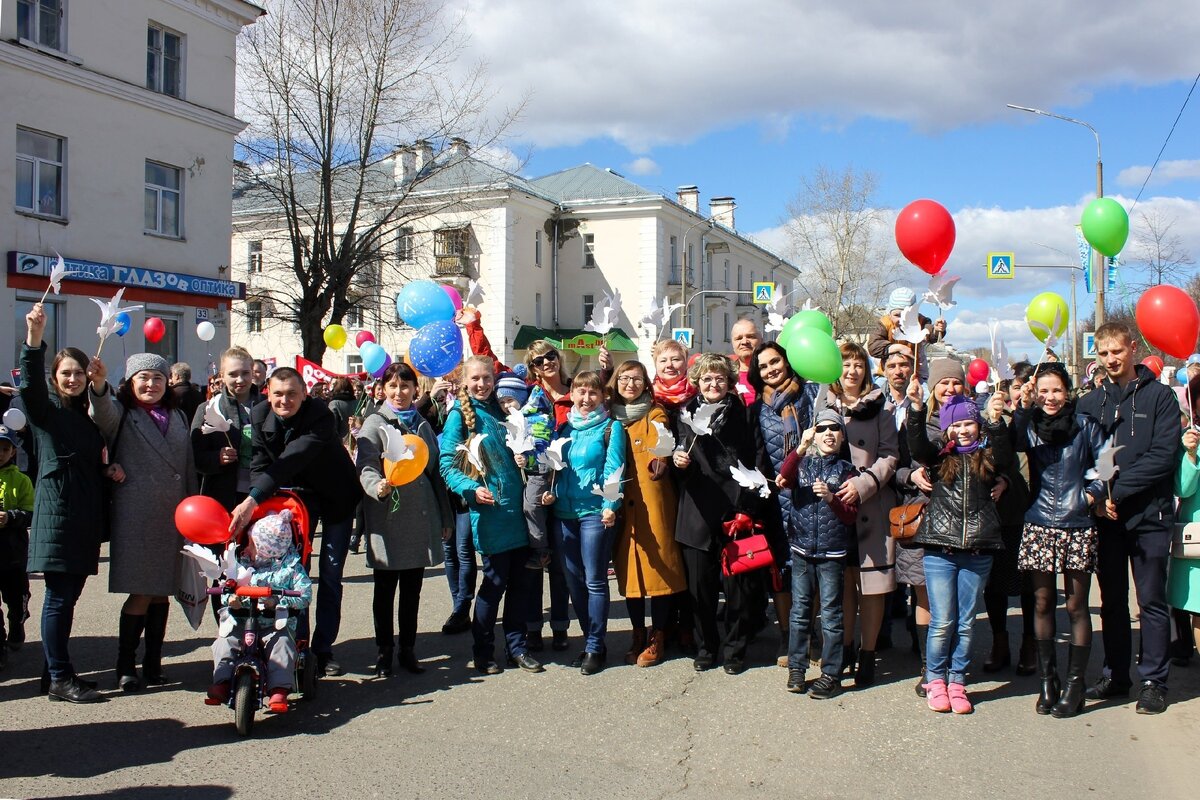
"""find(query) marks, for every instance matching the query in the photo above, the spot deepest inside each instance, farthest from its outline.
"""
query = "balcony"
(450, 266)
(676, 272)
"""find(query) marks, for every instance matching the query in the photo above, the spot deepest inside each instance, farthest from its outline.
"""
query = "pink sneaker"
(935, 695)
(958, 699)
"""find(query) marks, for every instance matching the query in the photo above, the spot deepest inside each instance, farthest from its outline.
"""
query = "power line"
(1164, 145)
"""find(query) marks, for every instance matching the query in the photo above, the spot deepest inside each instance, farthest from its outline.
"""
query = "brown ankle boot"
(636, 646)
(653, 654)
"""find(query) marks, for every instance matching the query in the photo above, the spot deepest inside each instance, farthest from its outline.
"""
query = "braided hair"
(470, 419)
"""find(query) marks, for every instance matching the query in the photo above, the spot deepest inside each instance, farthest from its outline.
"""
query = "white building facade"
(116, 151)
(545, 251)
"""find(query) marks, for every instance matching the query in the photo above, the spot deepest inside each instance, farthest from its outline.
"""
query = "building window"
(168, 345)
(537, 248)
(254, 316)
(727, 273)
(164, 61)
(50, 336)
(589, 303)
(41, 21)
(708, 328)
(163, 199)
(450, 250)
(353, 317)
(254, 257)
(589, 250)
(39, 173)
(727, 329)
(674, 253)
(537, 309)
(405, 244)
(739, 277)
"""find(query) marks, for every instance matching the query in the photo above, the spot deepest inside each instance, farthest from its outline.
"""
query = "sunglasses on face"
(826, 428)
(540, 360)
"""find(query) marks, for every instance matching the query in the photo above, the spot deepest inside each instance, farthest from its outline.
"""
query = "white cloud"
(1165, 172)
(643, 166)
(672, 70)
(1038, 236)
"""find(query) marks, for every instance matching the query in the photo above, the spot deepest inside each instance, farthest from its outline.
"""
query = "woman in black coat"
(68, 512)
(709, 496)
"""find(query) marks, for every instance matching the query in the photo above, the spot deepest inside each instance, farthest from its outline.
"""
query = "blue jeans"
(504, 575)
(584, 547)
(955, 584)
(58, 614)
(460, 565)
(560, 598)
(335, 543)
(817, 579)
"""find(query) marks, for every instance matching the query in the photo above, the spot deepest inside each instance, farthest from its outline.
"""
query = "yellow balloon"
(1047, 314)
(335, 336)
(399, 473)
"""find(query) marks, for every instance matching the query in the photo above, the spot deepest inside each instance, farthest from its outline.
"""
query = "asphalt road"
(627, 732)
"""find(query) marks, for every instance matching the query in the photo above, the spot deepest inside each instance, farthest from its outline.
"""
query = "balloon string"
(395, 502)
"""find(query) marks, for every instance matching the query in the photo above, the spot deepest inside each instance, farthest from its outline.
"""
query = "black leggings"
(1077, 585)
(996, 604)
(661, 609)
(409, 583)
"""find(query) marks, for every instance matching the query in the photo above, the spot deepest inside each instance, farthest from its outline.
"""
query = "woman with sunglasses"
(782, 411)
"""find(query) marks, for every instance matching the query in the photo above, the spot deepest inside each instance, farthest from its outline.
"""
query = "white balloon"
(206, 331)
(14, 418)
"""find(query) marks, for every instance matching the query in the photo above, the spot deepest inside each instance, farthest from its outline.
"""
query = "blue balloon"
(422, 302)
(1181, 376)
(125, 321)
(437, 348)
(373, 356)
(387, 362)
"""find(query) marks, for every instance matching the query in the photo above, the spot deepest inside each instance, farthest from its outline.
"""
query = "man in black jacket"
(189, 394)
(295, 446)
(1141, 416)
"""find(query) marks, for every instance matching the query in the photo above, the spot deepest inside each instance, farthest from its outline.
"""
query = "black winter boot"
(156, 633)
(1071, 702)
(1048, 668)
(129, 633)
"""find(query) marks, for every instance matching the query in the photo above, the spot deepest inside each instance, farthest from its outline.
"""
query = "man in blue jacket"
(1141, 416)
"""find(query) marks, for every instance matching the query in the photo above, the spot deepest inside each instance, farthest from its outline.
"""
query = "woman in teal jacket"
(585, 520)
(485, 475)
(1183, 581)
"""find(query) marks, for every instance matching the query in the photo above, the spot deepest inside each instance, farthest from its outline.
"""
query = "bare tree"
(330, 88)
(840, 240)
(1159, 254)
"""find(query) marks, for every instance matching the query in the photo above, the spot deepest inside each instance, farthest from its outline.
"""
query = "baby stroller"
(249, 688)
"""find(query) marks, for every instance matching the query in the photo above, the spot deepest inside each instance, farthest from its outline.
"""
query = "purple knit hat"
(958, 408)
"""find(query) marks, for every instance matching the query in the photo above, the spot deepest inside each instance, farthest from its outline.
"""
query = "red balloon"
(978, 371)
(202, 520)
(154, 329)
(363, 336)
(1169, 320)
(925, 234)
(1154, 364)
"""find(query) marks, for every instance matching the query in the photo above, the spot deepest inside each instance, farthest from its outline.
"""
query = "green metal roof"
(588, 182)
(616, 339)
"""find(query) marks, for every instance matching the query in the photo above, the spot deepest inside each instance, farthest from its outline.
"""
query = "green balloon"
(1105, 225)
(1047, 314)
(815, 355)
(808, 318)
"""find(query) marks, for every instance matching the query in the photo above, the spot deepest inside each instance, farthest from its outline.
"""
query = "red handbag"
(747, 549)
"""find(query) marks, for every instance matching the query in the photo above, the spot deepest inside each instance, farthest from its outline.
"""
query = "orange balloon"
(399, 473)
(408, 361)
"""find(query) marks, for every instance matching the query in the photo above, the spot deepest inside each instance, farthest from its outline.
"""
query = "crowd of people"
(894, 491)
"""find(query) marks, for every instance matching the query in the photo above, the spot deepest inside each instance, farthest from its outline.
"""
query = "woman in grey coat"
(148, 439)
(405, 525)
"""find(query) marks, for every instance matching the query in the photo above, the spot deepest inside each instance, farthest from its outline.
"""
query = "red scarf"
(674, 395)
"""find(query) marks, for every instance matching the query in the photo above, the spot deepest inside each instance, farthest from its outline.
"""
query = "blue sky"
(745, 103)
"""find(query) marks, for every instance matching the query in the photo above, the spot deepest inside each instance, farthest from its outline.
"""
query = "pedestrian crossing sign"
(764, 292)
(684, 336)
(1000, 265)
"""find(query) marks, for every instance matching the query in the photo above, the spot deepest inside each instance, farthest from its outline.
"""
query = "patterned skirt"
(1057, 550)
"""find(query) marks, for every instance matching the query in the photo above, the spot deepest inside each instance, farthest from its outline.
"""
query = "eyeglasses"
(714, 380)
(826, 428)
(540, 360)
(625, 380)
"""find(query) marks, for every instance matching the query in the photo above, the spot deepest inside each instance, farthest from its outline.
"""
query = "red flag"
(313, 373)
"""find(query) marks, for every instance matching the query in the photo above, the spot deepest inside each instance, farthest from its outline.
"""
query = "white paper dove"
(474, 294)
(214, 421)
(471, 448)
(396, 449)
(605, 314)
(659, 315)
(1000, 362)
(809, 305)
(553, 456)
(57, 273)
(941, 290)
(776, 313)
(700, 421)
(910, 326)
(1051, 338)
(208, 563)
(664, 446)
(108, 314)
(226, 622)
(229, 565)
(516, 432)
(752, 479)
(1106, 463)
(611, 490)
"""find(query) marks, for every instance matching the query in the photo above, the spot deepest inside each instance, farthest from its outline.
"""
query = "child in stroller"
(268, 558)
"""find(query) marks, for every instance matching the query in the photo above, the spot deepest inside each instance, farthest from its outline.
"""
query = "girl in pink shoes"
(960, 532)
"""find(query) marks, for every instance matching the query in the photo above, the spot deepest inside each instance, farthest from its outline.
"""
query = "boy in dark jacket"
(820, 535)
(1140, 416)
(16, 510)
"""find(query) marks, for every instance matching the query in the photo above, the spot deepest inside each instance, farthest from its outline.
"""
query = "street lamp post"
(1099, 273)
(683, 278)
